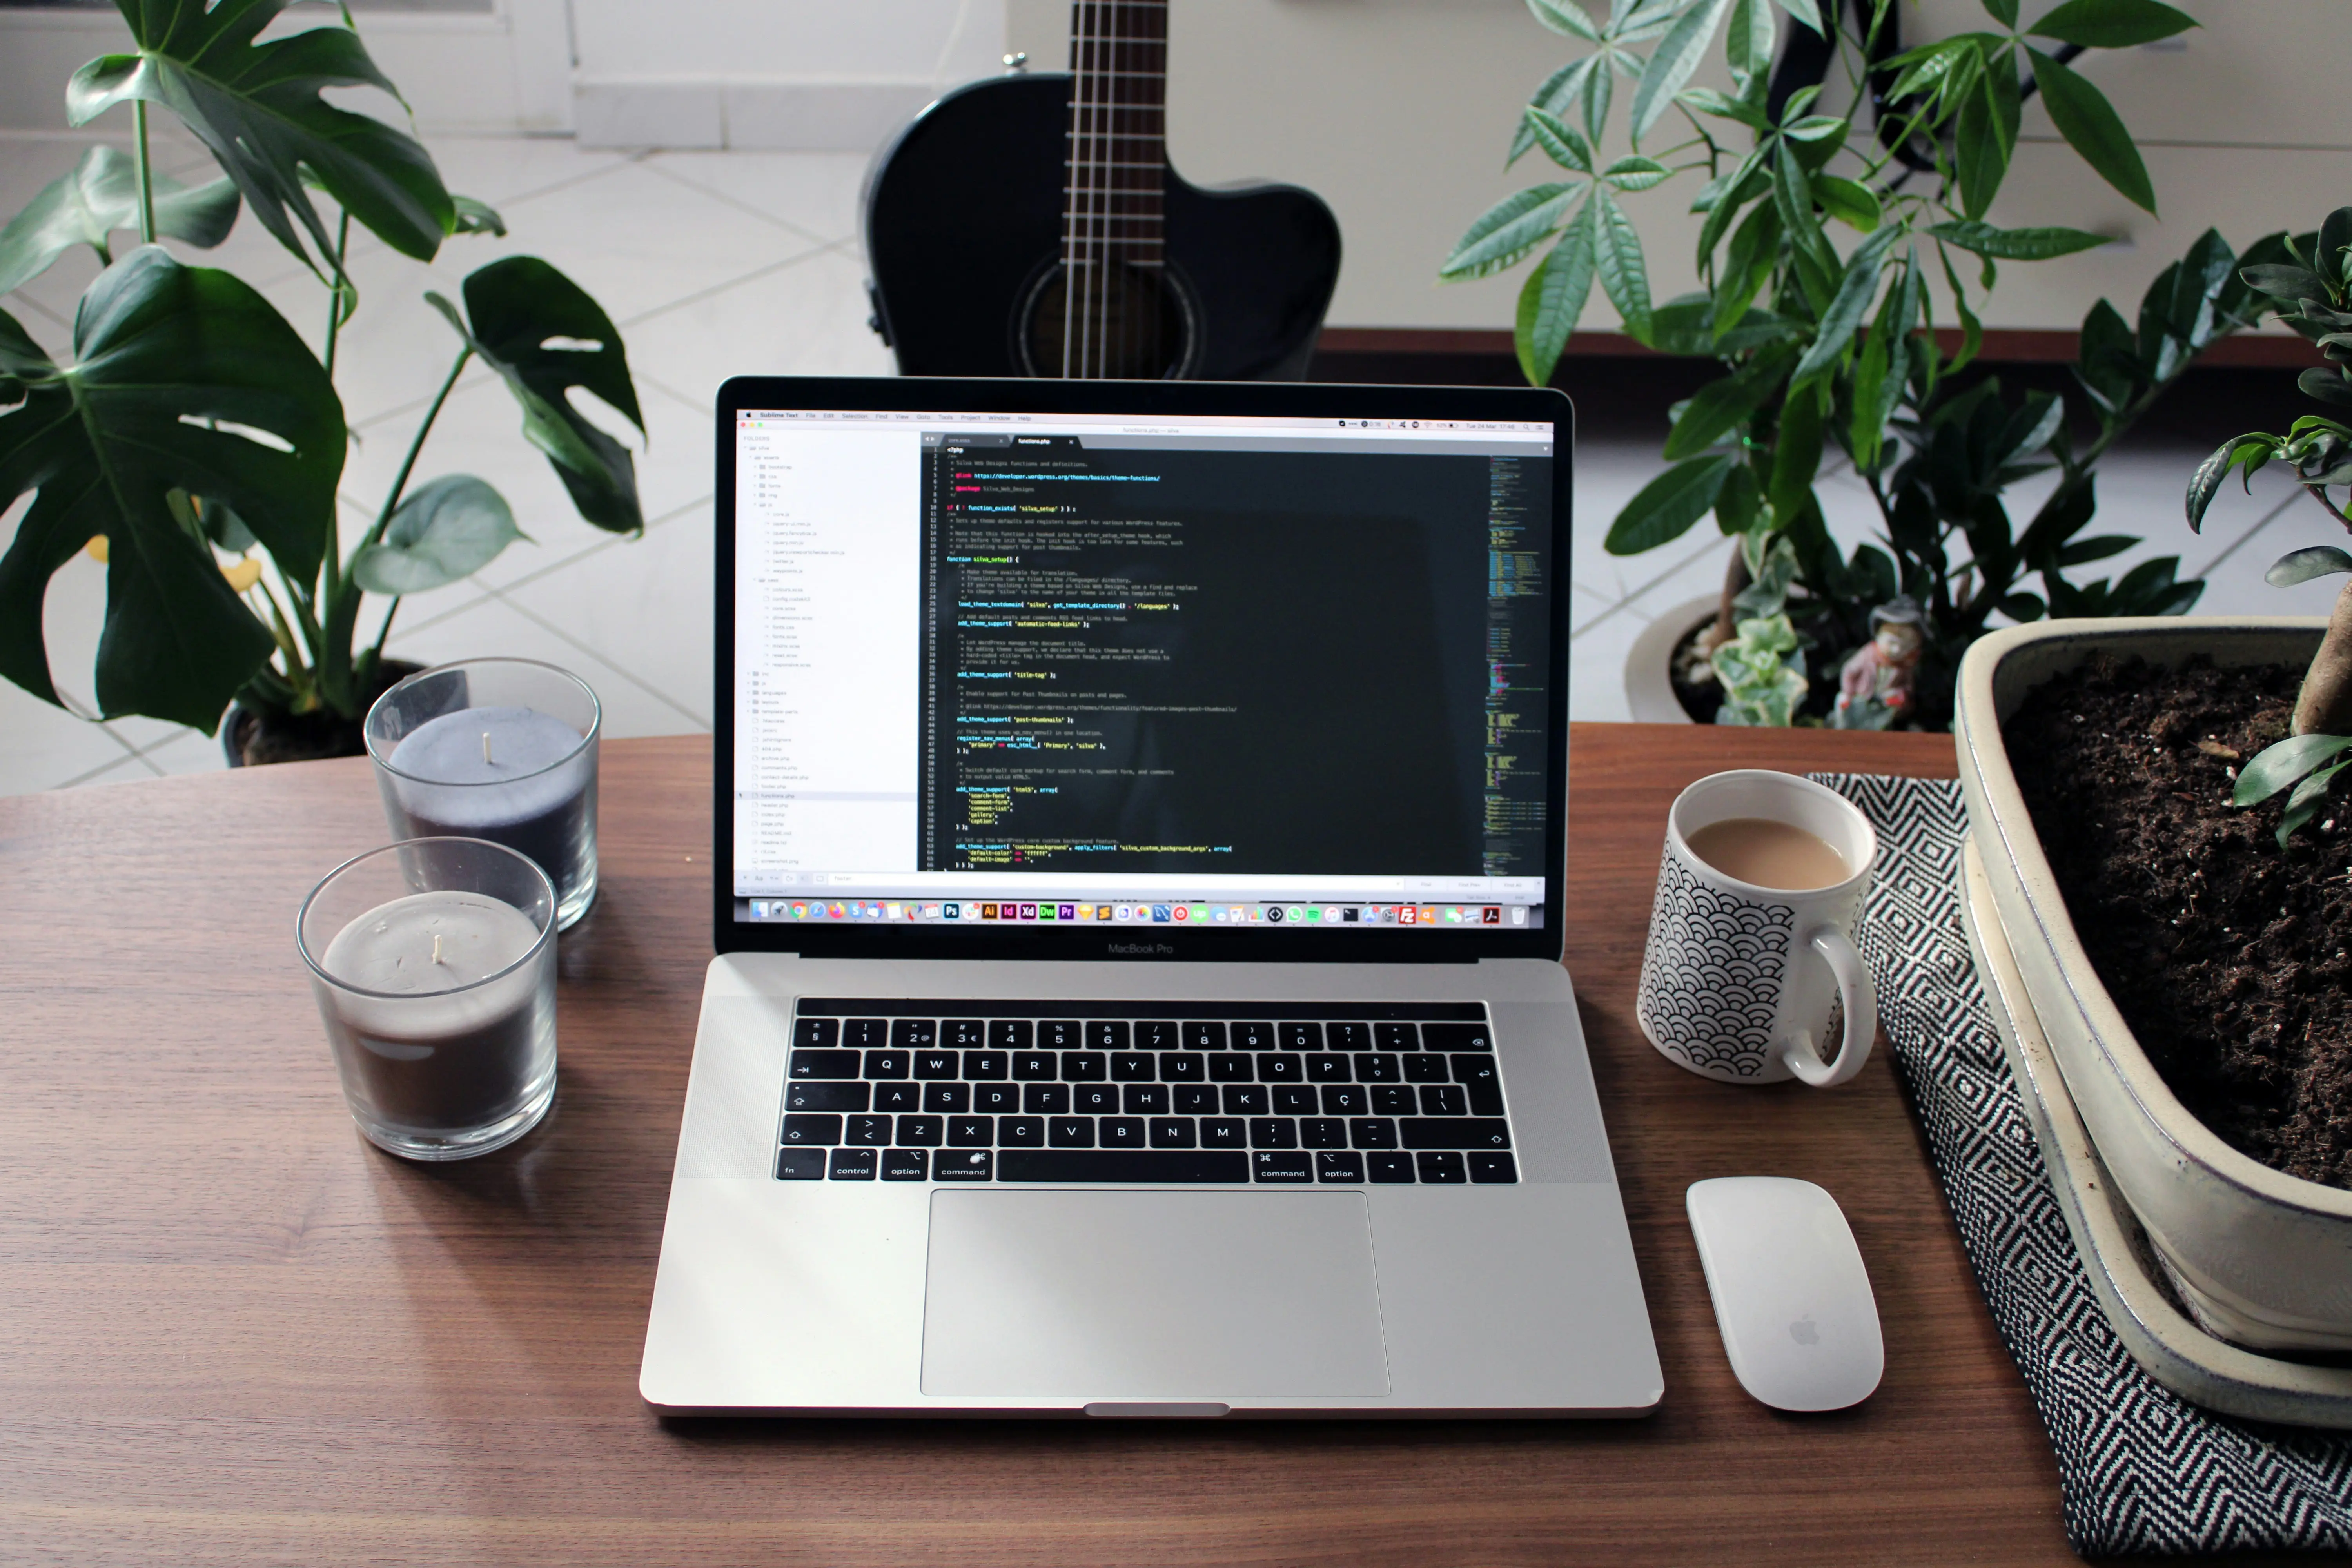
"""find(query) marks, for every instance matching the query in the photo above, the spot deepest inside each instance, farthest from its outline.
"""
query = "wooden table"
(234, 1333)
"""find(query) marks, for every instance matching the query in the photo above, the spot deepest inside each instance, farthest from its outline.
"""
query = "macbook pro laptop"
(1141, 822)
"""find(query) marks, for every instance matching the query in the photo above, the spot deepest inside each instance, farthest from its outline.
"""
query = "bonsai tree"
(1825, 350)
(2313, 293)
(191, 425)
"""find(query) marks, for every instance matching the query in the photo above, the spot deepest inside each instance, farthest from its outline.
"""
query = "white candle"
(434, 1048)
(429, 943)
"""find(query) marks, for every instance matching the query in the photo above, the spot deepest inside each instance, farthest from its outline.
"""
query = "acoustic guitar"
(1030, 226)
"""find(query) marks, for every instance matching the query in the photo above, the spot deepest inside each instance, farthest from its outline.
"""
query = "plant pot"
(250, 737)
(1649, 667)
(2258, 1257)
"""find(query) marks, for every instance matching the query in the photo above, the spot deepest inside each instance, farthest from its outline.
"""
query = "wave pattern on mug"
(1711, 974)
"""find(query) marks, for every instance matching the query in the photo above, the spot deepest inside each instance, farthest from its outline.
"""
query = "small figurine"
(1875, 689)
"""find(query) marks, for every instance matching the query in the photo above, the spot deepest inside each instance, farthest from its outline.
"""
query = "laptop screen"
(1208, 672)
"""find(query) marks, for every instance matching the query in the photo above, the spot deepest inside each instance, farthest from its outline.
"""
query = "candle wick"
(485, 746)
(436, 950)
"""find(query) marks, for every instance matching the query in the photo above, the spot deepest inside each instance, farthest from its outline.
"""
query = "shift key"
(1453, 1132)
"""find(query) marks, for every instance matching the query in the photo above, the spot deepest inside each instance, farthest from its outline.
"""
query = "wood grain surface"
(233, 1332)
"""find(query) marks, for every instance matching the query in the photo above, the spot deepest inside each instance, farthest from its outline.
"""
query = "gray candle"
(498, 749)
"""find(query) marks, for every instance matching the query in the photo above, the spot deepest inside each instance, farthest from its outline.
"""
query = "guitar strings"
(1110, 321)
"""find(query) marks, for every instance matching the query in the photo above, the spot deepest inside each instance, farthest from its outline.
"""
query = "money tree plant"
(2311, 292)
(192, 440)
(1826, 343)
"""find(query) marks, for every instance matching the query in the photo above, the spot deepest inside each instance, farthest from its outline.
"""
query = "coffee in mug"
(1770, 854)
(1750, 975)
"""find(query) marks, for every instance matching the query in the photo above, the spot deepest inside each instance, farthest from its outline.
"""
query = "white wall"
(772, 73)
(504, 70)
(1398, 111)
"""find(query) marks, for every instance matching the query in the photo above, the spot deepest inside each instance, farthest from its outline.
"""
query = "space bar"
(1122, 1165)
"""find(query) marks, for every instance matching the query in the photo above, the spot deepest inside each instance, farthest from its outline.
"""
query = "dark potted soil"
(2189, 974)
(251, 737)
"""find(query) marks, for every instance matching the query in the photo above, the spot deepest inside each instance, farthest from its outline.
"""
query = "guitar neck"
(1111, 209)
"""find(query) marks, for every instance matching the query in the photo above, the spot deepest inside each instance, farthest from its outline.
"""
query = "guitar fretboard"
(1111, 209)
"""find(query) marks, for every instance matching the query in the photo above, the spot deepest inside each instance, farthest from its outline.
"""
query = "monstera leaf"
(442, 532)
(185, 380)
(101, 196)
(257, 107)
(541, 332)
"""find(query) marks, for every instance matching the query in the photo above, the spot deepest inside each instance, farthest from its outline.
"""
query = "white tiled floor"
(713, 263)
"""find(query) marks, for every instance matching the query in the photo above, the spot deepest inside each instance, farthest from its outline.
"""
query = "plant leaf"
(1565, 17)
(2110, 24)
(2248, 452)
(2282, 281)
(1749, 42)
(2083, 551)
(98, 198)
(256, 107)
(1666, 508)
(2302, 565)
(1671, 65)
(2016, 244)
(1561, 143)
(2327, 386)
(1624, 276)
(1796, 456)
(1806, 13)
(2304, 803)
(2002, 11)
(185, 380)
(520, 314)
(1553, 299)
(1719, 406)
(1815, 128)
(1637, 173)
(443, 530)
(1981, 153)
(1560, 89)
(2091, 126)
(1706, 100)
(1849, 201)
(1972, 329)
(1598, 89)
(1505, 233)
(2275, 767)
(1856, 290)
(476, 217)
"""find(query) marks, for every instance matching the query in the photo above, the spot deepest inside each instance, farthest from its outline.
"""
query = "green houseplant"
(191, 426)
(2311, 292)
(1825, 352)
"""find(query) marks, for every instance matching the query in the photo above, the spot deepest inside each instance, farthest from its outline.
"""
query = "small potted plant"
(2153, 806)
(194, 442)
(1824, 352)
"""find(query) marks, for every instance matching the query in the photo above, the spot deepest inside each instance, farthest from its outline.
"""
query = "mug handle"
(1861, 1014)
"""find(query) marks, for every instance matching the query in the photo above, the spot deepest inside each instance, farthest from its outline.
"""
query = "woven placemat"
(2139, 1469)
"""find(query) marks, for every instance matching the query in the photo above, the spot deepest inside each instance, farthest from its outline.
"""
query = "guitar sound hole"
(1136, 327)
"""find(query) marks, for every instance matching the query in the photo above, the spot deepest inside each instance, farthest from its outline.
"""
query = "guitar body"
(964, 216)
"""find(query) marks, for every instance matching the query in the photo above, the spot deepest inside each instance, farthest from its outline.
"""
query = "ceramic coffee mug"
(1745, 984)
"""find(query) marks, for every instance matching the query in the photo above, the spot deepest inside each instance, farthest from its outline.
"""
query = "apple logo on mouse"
(1804, 1331)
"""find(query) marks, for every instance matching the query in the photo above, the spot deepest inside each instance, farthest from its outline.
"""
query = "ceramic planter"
(1649, 682)
(2259, 1258)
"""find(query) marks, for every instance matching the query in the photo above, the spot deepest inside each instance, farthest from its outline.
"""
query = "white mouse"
(1791, 1294)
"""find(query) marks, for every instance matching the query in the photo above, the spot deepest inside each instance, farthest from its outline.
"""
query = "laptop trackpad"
(1126, 1294)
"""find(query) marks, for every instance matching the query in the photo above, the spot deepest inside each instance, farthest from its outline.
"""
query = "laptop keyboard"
(1166, 1093)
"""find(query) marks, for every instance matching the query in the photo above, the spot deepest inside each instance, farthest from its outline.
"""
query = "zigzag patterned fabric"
(2139, 1469)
